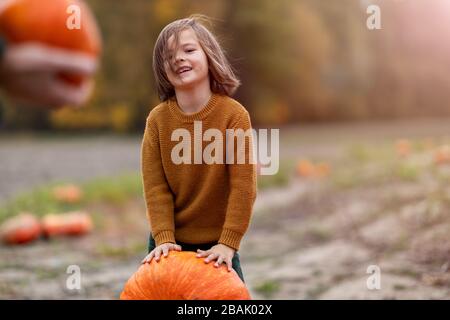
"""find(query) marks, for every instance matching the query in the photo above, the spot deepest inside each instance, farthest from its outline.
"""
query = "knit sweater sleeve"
(157, 194)
(242, 180)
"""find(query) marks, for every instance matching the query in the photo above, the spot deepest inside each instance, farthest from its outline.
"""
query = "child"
(196, 206)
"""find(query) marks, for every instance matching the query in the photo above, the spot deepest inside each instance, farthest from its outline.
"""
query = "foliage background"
(299, 60)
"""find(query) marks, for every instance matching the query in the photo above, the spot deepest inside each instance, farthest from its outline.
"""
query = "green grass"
(345, 179)
(113, 190)
(268, 288)
(407, 172)
(121, 252)
(399, 287)
(318, 234)
(315, 292)
(364, 165)
(285, 171)
(40, 201)
(359, 153)
(116, 190)
(365, 153)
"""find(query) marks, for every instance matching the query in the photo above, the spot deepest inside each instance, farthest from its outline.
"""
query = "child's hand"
(162, 248)
(219, 252)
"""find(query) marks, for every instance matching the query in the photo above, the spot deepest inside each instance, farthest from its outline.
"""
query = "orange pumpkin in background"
(442, 155)
(308, 169)
(403, 147)
(48, 21)
(68, 193)
(20, 229)
(322, 169)
(70, 223)
(305, 168)
(182, 276)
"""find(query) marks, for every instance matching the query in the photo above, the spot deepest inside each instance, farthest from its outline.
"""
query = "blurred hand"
(29, 71)
(219, 252)
(162, 248)
(4, 4)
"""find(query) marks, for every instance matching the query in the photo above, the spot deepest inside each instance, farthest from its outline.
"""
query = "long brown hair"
(222, 78)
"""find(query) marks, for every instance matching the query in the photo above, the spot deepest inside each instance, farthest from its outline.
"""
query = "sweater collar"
(190, 117)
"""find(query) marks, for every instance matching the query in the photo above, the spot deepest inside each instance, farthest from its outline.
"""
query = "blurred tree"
(299, 60)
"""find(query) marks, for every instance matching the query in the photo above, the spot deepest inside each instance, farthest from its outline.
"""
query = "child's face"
(190, 57)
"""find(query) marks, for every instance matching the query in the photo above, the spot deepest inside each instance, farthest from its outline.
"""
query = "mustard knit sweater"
(190, 202)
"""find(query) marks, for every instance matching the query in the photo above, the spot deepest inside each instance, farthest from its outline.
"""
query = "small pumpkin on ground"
(322, 169)
(442, 155)
(70, 223)
(308, 169)
(403, 147)
(305, 168)
(68, 193)
(20, 229)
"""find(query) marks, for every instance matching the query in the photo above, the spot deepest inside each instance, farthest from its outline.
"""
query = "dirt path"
(321, 245)
(106, 258)
(300, 250)
(310, 240)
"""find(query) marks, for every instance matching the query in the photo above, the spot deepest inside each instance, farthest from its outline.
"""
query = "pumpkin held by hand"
(53, 23)
(182, 276)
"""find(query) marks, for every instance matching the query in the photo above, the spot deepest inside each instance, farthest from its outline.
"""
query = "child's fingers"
(157, 254)
(219, 261)
(229, 264)
(148, 258)
(178, 247)
(165, 251)
(201, 253)
(211, 257)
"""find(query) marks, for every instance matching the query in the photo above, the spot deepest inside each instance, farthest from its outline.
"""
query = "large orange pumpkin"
(70, 223)
(183, 276)
(20, 229)
(46, 21)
